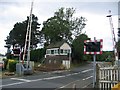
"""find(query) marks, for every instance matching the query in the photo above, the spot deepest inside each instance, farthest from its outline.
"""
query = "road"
(81, 77)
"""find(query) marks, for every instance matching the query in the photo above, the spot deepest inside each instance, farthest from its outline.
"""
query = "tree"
(18, 33)
(118, 48)
(78, 48)
(76, 24)
(118, 43)
(53, 29)
(37, 55)
(62, 26)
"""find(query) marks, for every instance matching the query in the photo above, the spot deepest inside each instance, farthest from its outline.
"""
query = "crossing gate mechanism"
(25, 67)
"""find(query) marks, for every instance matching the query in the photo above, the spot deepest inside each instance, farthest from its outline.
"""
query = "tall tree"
(18, 33)
(56, 29)
(62, 26)
(37, 55)
(78, 48)
(118, 43)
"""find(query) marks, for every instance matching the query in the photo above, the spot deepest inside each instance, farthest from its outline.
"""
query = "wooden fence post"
(97, 76)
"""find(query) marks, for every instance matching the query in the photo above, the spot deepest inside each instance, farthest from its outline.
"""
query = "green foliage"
(53, 29)
(78, 48)
(118, 43)
(62, 26)
(9, 55)
(12, 65)
(37, 55)
(118, 49)
(5, 63)
(18, 33)
(106, 56)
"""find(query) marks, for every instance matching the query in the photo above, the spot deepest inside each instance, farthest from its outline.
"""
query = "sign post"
(93, 47)
(94, 69)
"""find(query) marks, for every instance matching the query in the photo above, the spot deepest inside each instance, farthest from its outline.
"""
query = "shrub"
(5, 63)
(12, 65)
(62, 66)
(37, 55)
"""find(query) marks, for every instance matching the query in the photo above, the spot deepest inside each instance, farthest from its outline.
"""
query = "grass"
(6, 74)
(2, 73)
(36, 64)
(74, 65)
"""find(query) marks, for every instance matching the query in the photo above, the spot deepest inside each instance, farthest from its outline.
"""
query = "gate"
(108, 77)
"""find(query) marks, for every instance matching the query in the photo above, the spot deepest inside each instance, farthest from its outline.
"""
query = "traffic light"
(96, 46)
(16, 51)
(92, 46)
(88, 46)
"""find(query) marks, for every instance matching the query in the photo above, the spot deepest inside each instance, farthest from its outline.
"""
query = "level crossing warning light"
(93, 46)
(16, 50)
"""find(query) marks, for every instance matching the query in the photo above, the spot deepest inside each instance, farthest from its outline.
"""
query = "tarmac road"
(79, 77)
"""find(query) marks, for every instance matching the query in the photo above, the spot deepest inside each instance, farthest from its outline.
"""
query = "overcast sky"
(97, 25)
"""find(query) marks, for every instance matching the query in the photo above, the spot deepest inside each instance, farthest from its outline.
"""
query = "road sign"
(93, 46)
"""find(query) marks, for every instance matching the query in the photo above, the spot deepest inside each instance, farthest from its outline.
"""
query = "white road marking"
(69, 84)
(53, 77)
(87, 78)
(49, 78)
(25, 80)
(84, 86)
(12, 84)
(65, 75)
(68, 75)
(87, 70)
(76, 81)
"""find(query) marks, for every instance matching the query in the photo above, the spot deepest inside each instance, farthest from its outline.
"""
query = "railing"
(107, 77)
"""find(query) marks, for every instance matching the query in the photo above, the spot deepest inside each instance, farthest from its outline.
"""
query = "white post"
(29, 40)
(113, 38)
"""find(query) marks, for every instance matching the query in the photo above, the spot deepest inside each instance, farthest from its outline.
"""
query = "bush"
(37, 55)
(5, 63)
(12, 65)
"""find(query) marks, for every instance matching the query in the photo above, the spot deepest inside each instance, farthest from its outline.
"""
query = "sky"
(97, 25)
